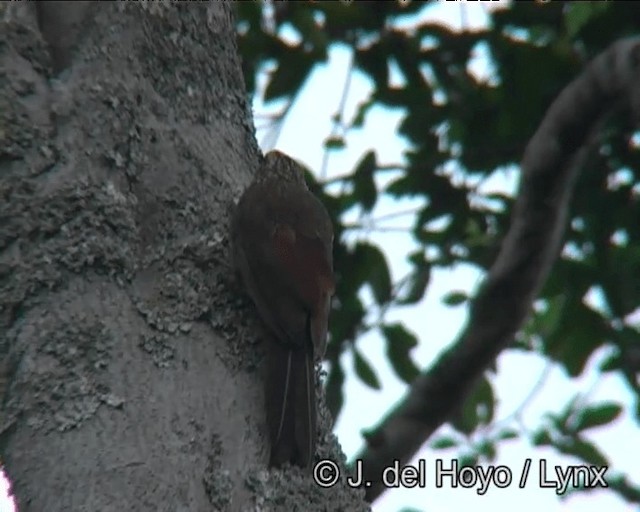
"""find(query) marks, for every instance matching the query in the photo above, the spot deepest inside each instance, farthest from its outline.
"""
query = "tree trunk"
(131, 359)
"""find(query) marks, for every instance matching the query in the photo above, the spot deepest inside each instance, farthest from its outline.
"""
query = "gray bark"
(131, 359)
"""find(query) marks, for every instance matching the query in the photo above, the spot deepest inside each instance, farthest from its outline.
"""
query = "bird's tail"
(291, 405)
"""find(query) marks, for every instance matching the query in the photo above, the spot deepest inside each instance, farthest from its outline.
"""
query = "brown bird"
(282, 238)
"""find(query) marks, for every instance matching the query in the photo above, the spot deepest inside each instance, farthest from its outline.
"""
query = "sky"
(437, 325)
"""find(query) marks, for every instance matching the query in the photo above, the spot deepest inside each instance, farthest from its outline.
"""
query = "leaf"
(622, 294)
(487, 449)
(541, 438)
(417, 281)
(365, 371)
(361, 112)
(373, 61)
(584, 450)
(611, 362)
(304, 20)
(443, 442)
(578, 15)
(580, 331)
(547, 321)
(400, 342)
(560, 419)
(352, 272)
(290, 74)
(467, 460)
(478, 408)
(334, 391)
(597, 415)
(364, 185)
(507, 434)
(371, 260)
(346, 317)
(455, 298)
(334, 143)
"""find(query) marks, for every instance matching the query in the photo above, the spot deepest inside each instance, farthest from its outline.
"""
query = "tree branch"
(549, 167)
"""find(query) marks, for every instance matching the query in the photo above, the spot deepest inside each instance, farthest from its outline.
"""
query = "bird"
(282, 239)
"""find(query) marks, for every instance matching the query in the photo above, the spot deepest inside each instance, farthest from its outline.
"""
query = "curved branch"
(549, 167)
